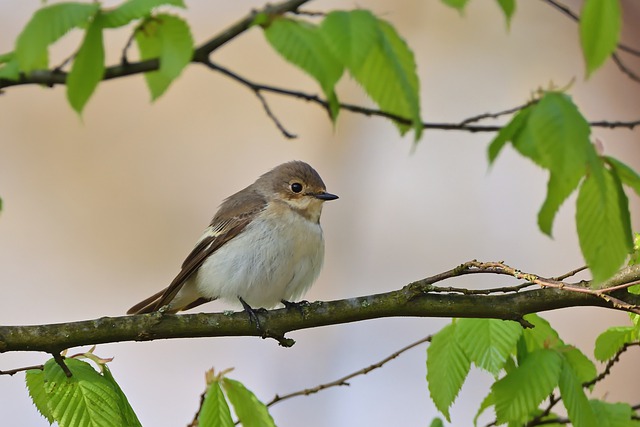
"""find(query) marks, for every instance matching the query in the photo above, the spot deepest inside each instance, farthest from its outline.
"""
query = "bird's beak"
(324, 196)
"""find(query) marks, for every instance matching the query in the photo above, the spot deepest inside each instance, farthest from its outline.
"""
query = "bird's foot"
(253, 316)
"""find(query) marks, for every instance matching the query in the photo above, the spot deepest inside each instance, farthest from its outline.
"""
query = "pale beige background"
(100, 212)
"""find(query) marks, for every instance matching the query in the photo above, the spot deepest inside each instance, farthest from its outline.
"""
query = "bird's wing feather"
(227, 224)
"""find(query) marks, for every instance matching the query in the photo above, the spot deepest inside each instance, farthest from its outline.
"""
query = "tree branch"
(418, 299)
(201, 55)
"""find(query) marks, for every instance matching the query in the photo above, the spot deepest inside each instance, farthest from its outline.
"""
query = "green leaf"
(380, 60)
(520, 392)
(85, 399)
(447, 368)
(627, 175)
(541, 336)
(508, 8)
(509, 133)
(600, 22)
(487, 402)
(46, 26)
(131, 10)
(612, 340)
(612, 414)
(581, 365)
(250, 411)
(302, 44)
(574, 398)
(488, 342)
(129, 415)
(10, 70)
(215, 410)
(88, 66)
(7, 57)
(436, 422)
(561, 137)
(456, 4)
(167, 38)
(35, 384)
(604, 229)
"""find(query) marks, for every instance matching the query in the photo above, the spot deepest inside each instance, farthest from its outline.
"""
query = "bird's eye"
(296, 187)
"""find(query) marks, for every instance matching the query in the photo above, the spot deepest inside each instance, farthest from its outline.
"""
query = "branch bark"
(418, 299)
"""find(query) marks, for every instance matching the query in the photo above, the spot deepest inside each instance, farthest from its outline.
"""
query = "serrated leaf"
(541, 336)
(34, 379)
(561, 137)
(215, 409)
(167, 38)
(520, 392)
(604, 229)
(129, 415)
(508, 133)
(508, 8)
(379, 60)
(46, 26)
(447, 368)
(600, 22)
(250, 411)
(627, 175)
(574, 398)
(85, 399)
(88, 66)
(582, 366)
(611, 341)
(131, 10)
(488, 342)
(487, 402)
(612, 414)
(302, 44)
(436, 422)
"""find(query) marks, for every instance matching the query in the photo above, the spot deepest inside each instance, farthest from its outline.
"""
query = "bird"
(264, 246)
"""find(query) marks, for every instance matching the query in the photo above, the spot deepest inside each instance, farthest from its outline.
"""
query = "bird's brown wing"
(230, 220)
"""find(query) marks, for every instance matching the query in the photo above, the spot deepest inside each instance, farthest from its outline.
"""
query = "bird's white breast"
(276, 257)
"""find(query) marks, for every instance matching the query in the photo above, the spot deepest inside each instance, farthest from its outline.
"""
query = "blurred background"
(100, 211)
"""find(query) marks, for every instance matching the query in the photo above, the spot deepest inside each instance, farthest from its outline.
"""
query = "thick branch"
(418, 299)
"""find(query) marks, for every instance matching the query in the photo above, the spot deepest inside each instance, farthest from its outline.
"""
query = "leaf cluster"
(86, 398)
(158, 35)
(553, 133)
(528, 365)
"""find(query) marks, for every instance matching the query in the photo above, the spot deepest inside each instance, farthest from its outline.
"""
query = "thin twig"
(570, 273)
(553, 401)
(461, 126)
(343, 381)
(623, 67)
(550, 283)
(496, 115)
(565, 10)
(124, 60)
(607, 369)
(12, 372)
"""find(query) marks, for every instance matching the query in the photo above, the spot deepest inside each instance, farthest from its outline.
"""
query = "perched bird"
(264, 246)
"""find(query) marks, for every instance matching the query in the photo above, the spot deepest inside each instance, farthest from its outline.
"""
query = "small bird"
(263, 247)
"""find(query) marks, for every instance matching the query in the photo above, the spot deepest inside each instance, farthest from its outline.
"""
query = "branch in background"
(621, 47)
(463, 125)
(607, 369)
(201, 55)
(343, 381)
(418, 299)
